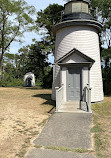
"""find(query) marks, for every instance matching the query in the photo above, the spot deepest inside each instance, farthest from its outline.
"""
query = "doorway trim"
(67, 75)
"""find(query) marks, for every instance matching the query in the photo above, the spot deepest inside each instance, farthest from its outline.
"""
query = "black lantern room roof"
(87, 1)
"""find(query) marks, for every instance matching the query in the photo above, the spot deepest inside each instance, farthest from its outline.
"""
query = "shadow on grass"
(108, 96)
(47, 97)
(31, 88)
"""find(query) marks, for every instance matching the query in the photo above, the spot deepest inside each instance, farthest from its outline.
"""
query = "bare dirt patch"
(23, 113)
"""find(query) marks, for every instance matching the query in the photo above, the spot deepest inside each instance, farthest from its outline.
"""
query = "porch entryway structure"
(74, 94)
(29, 80)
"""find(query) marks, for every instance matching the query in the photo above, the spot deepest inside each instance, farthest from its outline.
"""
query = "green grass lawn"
(102, 128)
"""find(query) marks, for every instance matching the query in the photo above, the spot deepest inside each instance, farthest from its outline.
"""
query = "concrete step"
(72, 106)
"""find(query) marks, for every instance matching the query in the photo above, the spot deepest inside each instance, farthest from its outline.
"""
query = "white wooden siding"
(56, 80)
(85, 77)
(86, 40)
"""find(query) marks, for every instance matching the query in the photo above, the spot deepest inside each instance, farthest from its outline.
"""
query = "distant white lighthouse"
(77, 53)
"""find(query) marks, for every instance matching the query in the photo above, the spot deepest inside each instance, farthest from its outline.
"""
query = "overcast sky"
(38, 4)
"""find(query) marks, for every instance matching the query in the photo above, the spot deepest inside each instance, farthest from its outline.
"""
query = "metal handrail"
(87, 97)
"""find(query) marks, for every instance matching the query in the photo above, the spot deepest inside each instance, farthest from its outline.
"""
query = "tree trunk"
(2, 46)
(0, 73)
(1, 64)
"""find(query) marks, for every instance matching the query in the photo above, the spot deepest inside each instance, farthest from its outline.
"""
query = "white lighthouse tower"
(77, 54)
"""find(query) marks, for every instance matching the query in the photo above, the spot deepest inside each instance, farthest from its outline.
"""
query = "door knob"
(69, 85)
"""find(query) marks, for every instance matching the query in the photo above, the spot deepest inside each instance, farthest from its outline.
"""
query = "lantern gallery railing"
(59, 97)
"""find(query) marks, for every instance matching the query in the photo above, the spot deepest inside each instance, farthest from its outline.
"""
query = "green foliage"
(101, 9)
(31, 58)
(48, 79)
(45, 20)
(106, 53)
(106, 70)
(13, 65)
(10, 77)
(102, 12)
(9, 81)
(10, 69)
(35, 60)
(15, 19)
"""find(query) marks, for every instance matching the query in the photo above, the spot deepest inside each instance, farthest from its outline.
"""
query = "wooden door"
(74, 83)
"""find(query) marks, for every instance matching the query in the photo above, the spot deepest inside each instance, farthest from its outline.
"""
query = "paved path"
(69, 130)
(41, 153)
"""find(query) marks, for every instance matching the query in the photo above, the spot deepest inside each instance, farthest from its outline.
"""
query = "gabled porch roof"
(86, 59)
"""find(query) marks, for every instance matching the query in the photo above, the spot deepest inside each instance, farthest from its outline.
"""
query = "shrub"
(47, 79)
(10, 81)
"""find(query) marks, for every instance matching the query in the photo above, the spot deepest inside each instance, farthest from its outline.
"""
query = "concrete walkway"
(69, 130)
(41, 153)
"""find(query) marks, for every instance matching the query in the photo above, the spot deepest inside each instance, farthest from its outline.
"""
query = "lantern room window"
(76, 6)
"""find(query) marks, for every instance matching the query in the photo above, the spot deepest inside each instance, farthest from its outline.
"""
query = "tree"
(32, 58)
(35, 59)
(11, 75)
(48, 78)
(45, 21)
(101, 10)
(15, 19)
(106, 70)
(9, 58)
